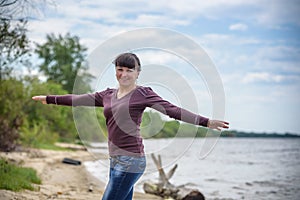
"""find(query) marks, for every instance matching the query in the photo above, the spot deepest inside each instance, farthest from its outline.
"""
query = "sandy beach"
(59, 180)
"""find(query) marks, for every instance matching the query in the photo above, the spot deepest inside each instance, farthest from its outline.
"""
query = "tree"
(13, 40)
(46, 124)
(64, 61)
(14, 45)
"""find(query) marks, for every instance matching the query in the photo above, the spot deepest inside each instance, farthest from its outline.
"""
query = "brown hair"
(129, 60)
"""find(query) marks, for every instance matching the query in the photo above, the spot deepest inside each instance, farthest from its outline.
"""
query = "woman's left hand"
(217, 124)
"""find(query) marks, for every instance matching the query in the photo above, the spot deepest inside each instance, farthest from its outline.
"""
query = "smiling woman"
(123, 110)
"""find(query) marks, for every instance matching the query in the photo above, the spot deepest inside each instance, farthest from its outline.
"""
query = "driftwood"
(167, 190)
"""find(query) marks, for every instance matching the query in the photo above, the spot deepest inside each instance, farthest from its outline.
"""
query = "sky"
(254, 45)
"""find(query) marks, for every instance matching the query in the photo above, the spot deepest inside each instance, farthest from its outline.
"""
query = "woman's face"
(126, 76)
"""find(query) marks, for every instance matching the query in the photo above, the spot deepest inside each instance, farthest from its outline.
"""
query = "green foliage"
(51, 119)
(90, 124)
(202, 132)
(64, 62)
(170, 129)
(37, 135)
(12, 101)
(34, 122)
(17, 178)
(102, 122)
(187, 130)
(151, 125)
(12, 97)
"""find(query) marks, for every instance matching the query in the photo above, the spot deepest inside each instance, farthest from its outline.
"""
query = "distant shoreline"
(239, 134)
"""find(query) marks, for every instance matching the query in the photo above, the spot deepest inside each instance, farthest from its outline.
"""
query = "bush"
(12, 100)
(37, 135)
(54, 119)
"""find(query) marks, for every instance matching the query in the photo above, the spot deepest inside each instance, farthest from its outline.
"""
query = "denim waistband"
(131, 164)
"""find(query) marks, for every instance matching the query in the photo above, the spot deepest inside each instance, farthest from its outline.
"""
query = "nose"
(124, 74)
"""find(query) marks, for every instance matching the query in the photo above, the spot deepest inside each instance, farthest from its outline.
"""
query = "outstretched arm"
(165, 107)
(71, 99)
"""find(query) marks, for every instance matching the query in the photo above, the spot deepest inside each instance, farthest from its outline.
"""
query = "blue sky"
(254, 45)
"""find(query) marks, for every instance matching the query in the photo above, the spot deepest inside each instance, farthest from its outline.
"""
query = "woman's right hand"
(40, 98)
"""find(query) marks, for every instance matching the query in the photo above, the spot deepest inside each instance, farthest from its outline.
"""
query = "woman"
(123, 109)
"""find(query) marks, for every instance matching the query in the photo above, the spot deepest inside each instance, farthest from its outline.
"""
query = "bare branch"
(162, 175)
(23, 9)
(171, 172)
(4, 3)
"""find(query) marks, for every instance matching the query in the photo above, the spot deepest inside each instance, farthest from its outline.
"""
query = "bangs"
(127, 60)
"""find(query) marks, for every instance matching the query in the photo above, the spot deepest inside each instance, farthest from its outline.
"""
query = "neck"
(125, 89)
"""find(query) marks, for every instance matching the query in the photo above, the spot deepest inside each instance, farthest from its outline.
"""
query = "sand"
(59, 180)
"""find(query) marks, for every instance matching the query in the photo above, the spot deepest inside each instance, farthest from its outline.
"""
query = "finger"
(225, 126)
(39, 98)
(35, 98)
(224, 122)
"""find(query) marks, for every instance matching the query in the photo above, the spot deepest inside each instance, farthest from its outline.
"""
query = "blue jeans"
(124, 173)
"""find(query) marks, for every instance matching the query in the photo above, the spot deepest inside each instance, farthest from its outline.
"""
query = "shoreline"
(59, 180)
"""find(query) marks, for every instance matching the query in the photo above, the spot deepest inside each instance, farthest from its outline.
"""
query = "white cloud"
(52, 25)
(279, 12)
(276, 58)
(186, 11)
(238, 27)
(107, 18)
(261, 12)
(262, 77)
(226, 41)
(244, 54)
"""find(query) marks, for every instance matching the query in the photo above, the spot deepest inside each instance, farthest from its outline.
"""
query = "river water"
(236, 168)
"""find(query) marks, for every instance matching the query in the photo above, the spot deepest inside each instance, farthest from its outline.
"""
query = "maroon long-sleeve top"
(124, 115)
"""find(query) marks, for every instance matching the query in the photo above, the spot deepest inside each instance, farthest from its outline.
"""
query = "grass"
(15, 178)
